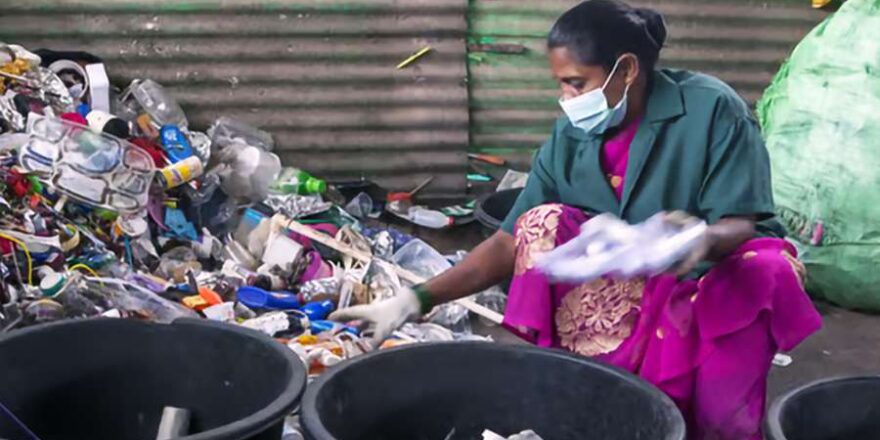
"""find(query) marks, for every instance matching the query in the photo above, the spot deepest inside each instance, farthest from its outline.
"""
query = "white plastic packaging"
(610, 246)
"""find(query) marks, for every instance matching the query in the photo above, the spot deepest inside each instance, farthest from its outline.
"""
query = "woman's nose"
(569, 92)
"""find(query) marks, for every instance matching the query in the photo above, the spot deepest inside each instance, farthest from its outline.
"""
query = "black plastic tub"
(110, 379)
(447, 391)
(492, 209)
(831, 409)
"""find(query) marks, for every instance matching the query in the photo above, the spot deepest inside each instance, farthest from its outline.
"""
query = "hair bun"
(655, 25)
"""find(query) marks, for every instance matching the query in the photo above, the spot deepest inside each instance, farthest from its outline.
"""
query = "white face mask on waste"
(590, 111)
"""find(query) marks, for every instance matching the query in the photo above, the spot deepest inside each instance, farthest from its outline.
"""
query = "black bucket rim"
(772, 422)
(483, 217)
(311, 420)
(271, 413)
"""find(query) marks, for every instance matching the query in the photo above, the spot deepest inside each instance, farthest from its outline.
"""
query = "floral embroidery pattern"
(535, 235)
(596, 317)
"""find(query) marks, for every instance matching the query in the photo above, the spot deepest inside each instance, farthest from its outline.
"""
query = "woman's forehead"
(564, 64)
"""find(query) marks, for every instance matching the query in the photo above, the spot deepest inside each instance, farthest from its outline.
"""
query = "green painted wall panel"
(513, 100)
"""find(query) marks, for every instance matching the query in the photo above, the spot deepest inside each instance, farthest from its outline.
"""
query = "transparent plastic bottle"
(158, 103)
(428, 218)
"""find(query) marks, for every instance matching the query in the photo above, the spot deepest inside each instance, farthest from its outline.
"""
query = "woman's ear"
(629, 67)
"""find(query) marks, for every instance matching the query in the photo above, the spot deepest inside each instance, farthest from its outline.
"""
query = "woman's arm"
(487, 265)
(721, 239)
(727, 235)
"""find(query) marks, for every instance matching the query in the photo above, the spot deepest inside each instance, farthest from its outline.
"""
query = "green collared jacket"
(698, 149)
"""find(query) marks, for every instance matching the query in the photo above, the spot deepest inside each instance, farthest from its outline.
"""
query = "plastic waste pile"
(112, 205)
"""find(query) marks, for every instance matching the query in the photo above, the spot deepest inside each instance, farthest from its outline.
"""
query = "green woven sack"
(821, 121)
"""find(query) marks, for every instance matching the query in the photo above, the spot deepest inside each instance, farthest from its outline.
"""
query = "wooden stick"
(404, 274)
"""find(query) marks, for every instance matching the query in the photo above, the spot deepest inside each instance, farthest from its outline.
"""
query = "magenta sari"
(706, 343)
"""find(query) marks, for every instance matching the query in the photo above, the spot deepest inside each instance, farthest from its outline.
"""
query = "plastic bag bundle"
(608, 246)
(821, 122)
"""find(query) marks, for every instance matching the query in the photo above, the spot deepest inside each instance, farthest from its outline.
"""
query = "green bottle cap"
(315, 186)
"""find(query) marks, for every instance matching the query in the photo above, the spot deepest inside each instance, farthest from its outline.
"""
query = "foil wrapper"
(296, 206)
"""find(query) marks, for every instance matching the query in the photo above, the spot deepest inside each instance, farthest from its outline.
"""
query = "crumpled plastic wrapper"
(609, 246)
(201, 145)
(424, 332)
(12, 141)
(420, 258)
(430, 332)
(383, 245)
(9, 52)
(361, 206)
(9, 114)
(295, 206)
(324, 286)
(50, 88)
(384, 282)
(493, 299)
(452, 316)
(130, 297)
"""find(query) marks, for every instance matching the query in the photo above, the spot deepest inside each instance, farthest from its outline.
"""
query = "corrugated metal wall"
(319, 75)
(514, 99)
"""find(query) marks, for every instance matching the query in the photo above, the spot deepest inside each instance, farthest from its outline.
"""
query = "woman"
(637, 141)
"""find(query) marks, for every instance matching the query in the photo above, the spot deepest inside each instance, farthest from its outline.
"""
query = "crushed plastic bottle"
(227, 131)
(156, 102)
(246, 171)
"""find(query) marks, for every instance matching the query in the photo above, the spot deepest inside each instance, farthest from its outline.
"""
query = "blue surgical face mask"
(590, 111)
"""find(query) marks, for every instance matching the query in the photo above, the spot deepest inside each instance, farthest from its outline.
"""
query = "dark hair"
(600, 31)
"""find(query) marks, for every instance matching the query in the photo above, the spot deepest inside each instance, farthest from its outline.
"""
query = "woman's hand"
(720, 239)
(699, 254)
(386, 316)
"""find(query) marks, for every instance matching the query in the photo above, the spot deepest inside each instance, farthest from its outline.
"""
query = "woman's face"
(576, 79)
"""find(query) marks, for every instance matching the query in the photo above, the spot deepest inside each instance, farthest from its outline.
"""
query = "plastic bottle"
(249, 221)
(429, 218)
(318, 310)
(256, 298)
(227, 130)
(297, 181)
(158, 103)
(181, 172)
(247, 172)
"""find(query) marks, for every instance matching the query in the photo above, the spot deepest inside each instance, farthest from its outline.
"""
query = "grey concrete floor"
(847, 344)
